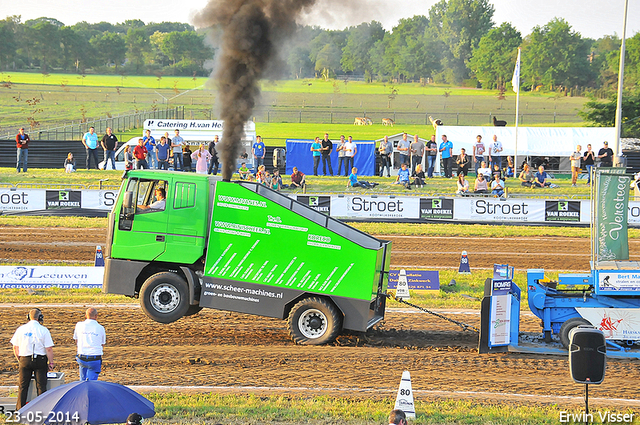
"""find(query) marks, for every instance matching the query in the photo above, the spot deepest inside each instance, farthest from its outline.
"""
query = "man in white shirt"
(33, 347)
(90, 336)
(495, 150)
(350, 151)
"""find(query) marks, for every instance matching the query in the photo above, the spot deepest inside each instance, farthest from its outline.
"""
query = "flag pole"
(515, 82)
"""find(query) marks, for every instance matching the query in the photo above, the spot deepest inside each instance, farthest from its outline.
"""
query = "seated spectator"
(486, 171)
(463, 185)
(418, 176)
(497, 186)
(496, 170)
(276, 181)
(70, 163)
(297, 180)
(510, 171)
(463, 162)
(541, 178)
(262, 176)
(526, 177)
(403, 176)
(186, 158)
(243, 171)
(353, 180)
(480, 185)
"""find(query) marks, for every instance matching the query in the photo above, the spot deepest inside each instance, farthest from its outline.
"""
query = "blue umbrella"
(80, 402)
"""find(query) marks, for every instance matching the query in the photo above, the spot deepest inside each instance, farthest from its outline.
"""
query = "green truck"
(183, 241)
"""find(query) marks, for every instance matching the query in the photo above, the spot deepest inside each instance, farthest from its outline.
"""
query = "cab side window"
(150, 196)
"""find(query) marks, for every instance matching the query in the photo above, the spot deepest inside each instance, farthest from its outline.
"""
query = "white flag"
(515, 81)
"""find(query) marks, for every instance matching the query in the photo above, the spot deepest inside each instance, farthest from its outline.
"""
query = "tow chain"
(463, 325)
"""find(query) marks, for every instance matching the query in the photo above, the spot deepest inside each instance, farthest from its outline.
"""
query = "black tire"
(566, 327)
(164, 297)
(193, 309)
(314, 321)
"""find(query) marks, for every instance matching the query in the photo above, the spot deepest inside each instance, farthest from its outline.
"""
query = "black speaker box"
(587, 355)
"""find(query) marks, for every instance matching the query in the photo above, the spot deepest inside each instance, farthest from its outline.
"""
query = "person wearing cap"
(33, 348)
(606, 156)
(22, 144)
(397, 417)
(134, 419)
(90, 337)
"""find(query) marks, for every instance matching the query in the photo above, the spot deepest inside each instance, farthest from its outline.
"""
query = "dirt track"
(228, 349)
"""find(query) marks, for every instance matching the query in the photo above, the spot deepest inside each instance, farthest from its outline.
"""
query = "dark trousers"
(326, 159)
(342, 160)
(385, 161)
(446, 165)
(29, 366)
(163, 164)
(141, 163)
(214, 163)
(415, 160)
(316, 163)
(348, 165)
(92, 153)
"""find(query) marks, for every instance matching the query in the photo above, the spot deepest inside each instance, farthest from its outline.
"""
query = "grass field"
(57, 99)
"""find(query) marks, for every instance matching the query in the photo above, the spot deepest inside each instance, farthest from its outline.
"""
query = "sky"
(591, 18)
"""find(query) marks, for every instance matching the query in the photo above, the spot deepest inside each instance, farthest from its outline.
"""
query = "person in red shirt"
(297, 180)
(22, 144)
(140, 152)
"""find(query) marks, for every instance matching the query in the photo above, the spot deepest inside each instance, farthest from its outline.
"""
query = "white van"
(194, 132)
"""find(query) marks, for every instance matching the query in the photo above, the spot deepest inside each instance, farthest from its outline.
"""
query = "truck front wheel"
(164, 297)
(566, 327)
(314, 321)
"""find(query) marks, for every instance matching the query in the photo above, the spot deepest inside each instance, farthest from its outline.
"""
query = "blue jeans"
(431, 163)
(151, 159)
(110, 155)
(479, 160)
(92, 153)
(316, 163)
(342, 160)
(259, 161)
(177, 161)
(23, 155)
(404, 159)
(496, 160)
(89, 370)
(589, 167)
(498, 192)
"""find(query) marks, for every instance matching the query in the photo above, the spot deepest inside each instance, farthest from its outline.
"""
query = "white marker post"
(404, 399)
(402, 289)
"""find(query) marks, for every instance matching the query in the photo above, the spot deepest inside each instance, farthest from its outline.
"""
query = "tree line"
(457, 43)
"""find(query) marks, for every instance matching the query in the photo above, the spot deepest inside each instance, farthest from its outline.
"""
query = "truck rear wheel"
(314, 321)
(164, 297)
(566, 327)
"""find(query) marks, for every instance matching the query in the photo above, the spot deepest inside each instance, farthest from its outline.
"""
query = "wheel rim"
(312, 323)
(165, 298)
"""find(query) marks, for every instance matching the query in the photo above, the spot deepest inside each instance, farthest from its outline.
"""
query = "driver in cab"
(158, 204)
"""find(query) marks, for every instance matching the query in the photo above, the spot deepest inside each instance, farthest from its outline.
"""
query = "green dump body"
(246, 248)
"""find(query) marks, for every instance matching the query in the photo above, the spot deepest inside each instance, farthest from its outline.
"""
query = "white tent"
(532, 141)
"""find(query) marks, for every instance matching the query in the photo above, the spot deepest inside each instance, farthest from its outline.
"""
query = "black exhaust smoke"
(251, 30)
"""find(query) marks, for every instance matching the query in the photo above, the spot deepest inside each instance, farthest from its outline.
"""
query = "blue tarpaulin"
(299, 155)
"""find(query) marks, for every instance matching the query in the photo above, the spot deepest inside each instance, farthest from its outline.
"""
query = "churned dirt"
(225, 349)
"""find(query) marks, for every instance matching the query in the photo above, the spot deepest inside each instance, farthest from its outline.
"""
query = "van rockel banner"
(57, 199)
(436, 208)
(562, 211)
(319, 203)
(50, 276)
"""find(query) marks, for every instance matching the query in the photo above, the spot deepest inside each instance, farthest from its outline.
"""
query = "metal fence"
(336, 116)
(118, 123)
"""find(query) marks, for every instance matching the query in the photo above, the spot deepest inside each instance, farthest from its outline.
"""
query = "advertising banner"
(50, 276)
(375, 207)
(493, 209)
(319, 203)
(418, 280)
(562, 211)
(257, 241)
(436, 208)
(609, 229)
(99, 199)
(618, 281)
(58, 199)
(616, 323)
(22, 199)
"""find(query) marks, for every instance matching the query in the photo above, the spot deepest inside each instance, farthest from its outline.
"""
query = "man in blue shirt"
(446, 149)
(316, 148)
(541, 177)
(258, 152)
(90, 142)
(150, 143)
(162, 154)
